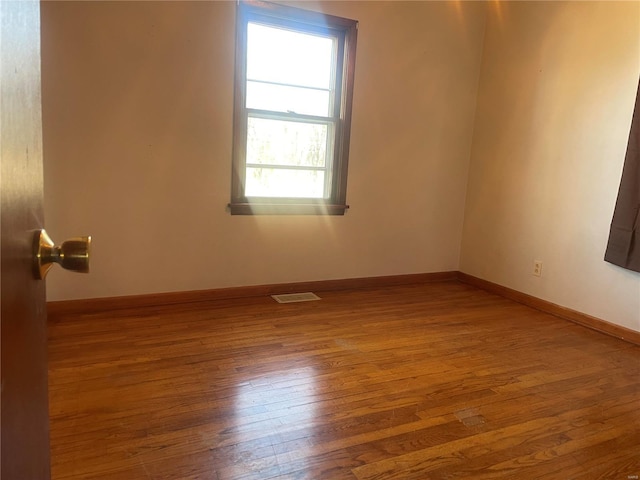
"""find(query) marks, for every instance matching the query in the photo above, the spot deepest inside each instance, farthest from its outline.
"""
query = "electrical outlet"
(537, 268)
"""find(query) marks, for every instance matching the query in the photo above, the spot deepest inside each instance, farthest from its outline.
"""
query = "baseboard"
(94, 305)
(583, 319)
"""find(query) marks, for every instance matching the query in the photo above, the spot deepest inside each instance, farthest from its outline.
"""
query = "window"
(292, 110)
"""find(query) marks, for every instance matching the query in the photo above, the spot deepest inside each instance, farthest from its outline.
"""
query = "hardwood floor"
(432, 381)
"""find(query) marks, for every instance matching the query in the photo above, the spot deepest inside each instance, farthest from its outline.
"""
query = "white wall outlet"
(537, 268)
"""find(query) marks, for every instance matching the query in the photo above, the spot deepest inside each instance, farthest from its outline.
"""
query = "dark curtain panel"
(623, 248)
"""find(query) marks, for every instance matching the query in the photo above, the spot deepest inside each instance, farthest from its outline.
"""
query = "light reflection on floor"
(272, 412)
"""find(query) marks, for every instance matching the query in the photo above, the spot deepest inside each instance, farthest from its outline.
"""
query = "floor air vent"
(295, 297)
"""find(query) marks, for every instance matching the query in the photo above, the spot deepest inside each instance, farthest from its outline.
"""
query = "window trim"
(346, 31)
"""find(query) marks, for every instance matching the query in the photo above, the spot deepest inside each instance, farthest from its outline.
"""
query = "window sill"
(286, 209)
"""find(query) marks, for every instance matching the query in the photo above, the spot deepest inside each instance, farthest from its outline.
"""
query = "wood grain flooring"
(431, 381)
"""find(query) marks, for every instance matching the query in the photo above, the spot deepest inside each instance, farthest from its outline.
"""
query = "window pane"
(281, 142)
(279, 98)
(292, 110)
(284, 56)
(278, 182)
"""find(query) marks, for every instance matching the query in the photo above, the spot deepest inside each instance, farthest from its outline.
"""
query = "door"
(24, 423)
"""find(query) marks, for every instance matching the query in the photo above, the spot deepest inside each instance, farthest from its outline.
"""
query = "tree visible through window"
(294, 82)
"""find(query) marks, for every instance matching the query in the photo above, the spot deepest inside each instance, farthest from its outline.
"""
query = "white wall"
(137, 105)
(555, 101)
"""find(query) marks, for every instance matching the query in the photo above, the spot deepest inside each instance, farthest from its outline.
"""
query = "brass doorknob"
(72, 254)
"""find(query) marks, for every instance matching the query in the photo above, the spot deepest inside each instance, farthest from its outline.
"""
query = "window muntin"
(292, 116)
